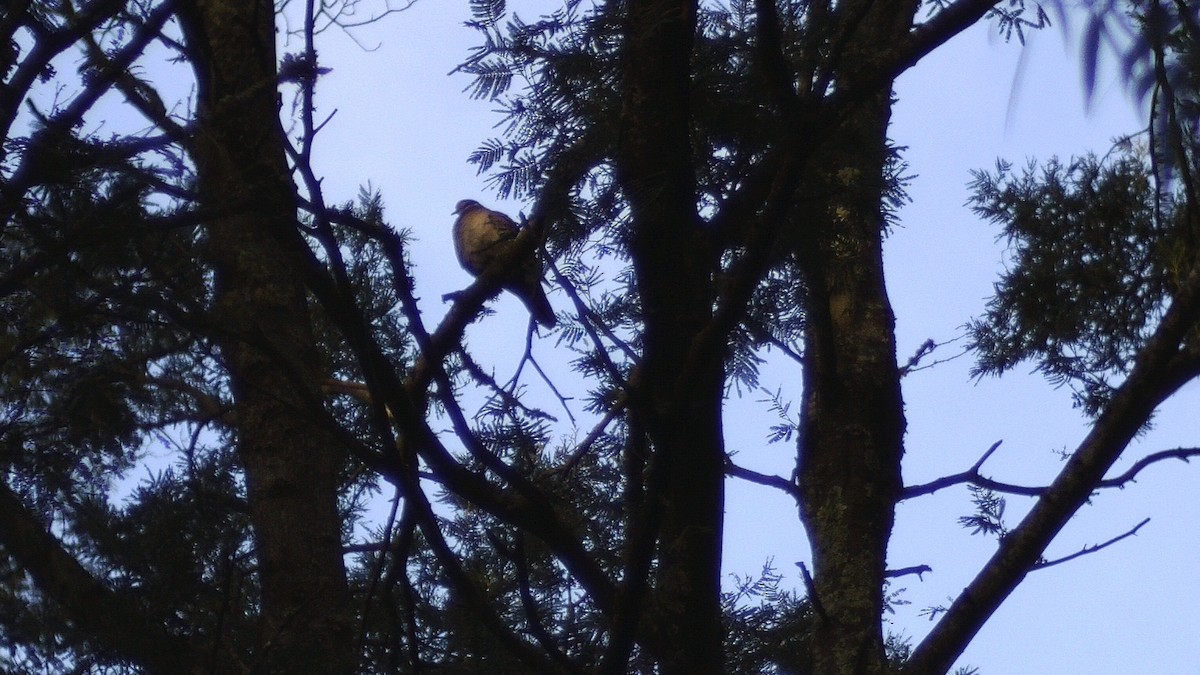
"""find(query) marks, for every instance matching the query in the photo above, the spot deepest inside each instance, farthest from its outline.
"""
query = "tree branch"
(973, 477)
(46, 47)
(1182, 454)
(533, 618)
(26, 174)
(921, 40)
(918, 570)
(1151, 380)
(403, 399)
(777, 482)
(113, 620)
(1091, 549)
(811, 589)
(586, 444)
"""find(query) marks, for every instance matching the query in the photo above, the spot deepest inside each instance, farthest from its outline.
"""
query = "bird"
(483, 237)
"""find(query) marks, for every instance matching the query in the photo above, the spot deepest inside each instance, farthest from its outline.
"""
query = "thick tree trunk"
(674, 266)
(265, 337)
(852, 433)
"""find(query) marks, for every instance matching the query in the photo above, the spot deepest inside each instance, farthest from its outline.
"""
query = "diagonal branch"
(529, 508)
(585, 445)
(1091, 549)
(1152, 379)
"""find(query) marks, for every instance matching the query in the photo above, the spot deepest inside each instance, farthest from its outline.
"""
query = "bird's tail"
(539, 307)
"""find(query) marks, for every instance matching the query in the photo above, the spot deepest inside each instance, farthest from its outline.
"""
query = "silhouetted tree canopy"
(212, 373)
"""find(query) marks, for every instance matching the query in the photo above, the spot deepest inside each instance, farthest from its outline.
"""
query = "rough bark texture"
(851, 442)
(266, 339)
(852, 433)
(674, 265)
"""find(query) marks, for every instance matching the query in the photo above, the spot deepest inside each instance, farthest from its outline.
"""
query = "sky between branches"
(406, 127)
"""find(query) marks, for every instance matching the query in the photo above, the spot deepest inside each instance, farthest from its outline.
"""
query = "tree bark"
(852, 431)
(674, 263)
(266, 339)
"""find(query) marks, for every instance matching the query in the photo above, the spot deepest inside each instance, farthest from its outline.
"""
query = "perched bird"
(482, 237)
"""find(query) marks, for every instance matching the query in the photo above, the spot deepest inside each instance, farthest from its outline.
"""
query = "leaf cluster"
(768, 628)
(105, 358)
(91, 350)
(1089, 269)
(557, 81)
(105, 366)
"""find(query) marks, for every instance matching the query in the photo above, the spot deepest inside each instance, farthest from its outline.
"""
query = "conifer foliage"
(710, 184)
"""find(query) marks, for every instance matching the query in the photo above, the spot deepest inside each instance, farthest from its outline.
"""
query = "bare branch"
(972, 476)
(1090, 549)
(950, 21)
(927, 348)
(1183, 454)
(1152, 379)
(777, 482)
(503, 393)
(811, 590)
(586, 444)
(562, 400)
(918, 570)
(969, 476)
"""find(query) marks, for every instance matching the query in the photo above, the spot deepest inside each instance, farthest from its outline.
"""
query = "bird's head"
(465, 205)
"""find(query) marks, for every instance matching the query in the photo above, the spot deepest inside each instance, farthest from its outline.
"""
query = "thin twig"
(586, 444)
(562, 400)
(476, 371)
(1090, 549)
(376, 574)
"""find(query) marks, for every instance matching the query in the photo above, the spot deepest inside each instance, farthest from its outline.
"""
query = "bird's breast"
(477, 242)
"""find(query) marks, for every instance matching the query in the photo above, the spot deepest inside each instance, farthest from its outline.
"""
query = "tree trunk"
(851, 441)
(674, 265)
(852, 433)
(265, 337)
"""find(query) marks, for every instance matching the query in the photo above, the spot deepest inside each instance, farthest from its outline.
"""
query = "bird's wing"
(504, 226)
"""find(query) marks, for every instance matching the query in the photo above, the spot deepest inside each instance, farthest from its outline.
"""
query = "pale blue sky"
(407, 127)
